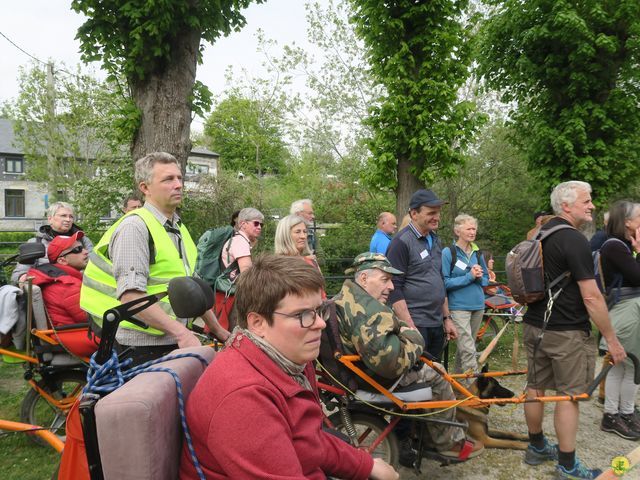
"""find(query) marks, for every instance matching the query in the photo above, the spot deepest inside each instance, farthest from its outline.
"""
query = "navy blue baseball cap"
(425, 197)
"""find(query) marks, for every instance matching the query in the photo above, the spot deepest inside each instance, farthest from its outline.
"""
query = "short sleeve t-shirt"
(240, 247)
(566, 249)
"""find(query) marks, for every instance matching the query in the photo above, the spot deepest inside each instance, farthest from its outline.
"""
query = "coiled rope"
(105, 378)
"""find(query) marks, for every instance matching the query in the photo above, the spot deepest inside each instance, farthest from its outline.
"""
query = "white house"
(23, 203)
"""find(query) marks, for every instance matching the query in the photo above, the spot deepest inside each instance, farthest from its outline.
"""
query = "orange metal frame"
(469, 400)
(46, 435)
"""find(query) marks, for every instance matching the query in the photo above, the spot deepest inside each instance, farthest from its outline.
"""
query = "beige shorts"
(564, 361)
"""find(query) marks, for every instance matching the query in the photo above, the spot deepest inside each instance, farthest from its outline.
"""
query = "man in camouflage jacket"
(388, 347)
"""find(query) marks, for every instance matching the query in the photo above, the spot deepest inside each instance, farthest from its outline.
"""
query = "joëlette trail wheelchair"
(367, 412)
(56, 376)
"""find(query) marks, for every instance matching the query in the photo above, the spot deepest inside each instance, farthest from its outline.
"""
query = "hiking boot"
(615, 423)
(578, 472)
(632, 420)
(408, 455)
(535, 456)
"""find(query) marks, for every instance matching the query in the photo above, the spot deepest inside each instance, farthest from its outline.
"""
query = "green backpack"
(209, 264)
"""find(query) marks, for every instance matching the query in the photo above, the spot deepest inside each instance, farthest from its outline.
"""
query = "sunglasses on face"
(257, 224)
(77, 249)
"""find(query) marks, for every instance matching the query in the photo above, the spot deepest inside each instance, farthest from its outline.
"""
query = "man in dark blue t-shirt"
(561, 355)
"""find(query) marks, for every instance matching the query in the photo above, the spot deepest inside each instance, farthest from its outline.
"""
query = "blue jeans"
(433, 340)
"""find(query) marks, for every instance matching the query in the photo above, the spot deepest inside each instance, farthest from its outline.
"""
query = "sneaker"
(615, 423)
(578, 472)
(535, 456)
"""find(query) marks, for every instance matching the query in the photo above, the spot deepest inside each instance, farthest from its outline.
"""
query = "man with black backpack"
(560, 352)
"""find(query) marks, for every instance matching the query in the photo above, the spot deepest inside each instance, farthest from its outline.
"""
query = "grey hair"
(249, 213)
(283, 243)
(298, 206)
(567, 192)
(462, 219)
(144, 165)
(54, 207)
(358, 274)
(382, 217)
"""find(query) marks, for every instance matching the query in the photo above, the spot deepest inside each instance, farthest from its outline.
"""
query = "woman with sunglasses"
(236, 253)
(255, 411)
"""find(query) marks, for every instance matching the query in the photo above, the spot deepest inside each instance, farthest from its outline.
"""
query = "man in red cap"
(60, 281)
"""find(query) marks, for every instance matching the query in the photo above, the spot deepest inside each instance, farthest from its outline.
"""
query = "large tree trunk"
(407, 184)
(163, 98)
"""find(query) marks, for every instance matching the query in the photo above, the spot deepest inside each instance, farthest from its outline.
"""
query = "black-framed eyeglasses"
(256, 223)
(77, 249)
(308, 317)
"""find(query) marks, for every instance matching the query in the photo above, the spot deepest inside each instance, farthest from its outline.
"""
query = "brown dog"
(478, 418)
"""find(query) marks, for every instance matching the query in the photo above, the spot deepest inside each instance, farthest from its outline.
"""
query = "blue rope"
(103, 379)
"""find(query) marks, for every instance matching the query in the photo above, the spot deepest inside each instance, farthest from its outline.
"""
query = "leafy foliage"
(248, 135)
(493, 186)
(156, 46)
(572, 69)
(419, 52)
(82, 137)
(134, 38)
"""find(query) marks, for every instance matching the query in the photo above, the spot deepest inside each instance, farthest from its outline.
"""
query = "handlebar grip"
(606, 368)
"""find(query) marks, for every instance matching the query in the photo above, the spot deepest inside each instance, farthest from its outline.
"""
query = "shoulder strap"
(51, 270)
(542, 234)
(454, 258)
(614, 239)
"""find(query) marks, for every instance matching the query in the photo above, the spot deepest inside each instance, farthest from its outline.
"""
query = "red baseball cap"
(61, 243)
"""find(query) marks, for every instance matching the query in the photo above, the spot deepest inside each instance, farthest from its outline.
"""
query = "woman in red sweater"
(255, 412)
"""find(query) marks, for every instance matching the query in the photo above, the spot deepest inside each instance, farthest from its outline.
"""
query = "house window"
(14, 203)
(197, 168)
(13, 165)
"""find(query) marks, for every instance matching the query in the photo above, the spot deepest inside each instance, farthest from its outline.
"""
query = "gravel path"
(595, 447)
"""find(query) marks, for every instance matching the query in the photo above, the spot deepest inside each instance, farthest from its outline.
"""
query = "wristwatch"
(449, 317)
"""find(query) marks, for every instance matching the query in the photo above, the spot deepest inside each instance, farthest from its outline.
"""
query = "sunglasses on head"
(77, 249)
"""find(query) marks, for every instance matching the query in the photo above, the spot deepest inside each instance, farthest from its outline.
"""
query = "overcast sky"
(46, 30)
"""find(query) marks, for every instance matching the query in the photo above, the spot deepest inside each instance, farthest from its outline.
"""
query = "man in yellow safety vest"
(138, 256)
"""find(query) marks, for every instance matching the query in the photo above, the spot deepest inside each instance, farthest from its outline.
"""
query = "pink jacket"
(61, 294)
(250, 420)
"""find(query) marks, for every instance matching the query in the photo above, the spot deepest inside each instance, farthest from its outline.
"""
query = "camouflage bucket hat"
(368, 260)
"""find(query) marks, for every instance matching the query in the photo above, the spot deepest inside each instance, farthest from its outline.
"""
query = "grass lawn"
(20, 458)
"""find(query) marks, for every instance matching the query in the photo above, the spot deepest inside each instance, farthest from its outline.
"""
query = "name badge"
(461, 265)
(424, 254)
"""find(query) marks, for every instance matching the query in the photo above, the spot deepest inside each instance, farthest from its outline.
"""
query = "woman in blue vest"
(465, 273)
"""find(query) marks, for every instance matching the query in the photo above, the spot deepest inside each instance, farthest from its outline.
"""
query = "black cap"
(425, 197)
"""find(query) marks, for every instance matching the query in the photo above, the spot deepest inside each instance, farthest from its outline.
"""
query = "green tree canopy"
(572, 69)
(156, 46)
(248, 135)
(73, 134)
(419, 52)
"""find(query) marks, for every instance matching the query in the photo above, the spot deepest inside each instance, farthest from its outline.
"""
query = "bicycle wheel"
(488, 335)
(65, 386)
(368, 429)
